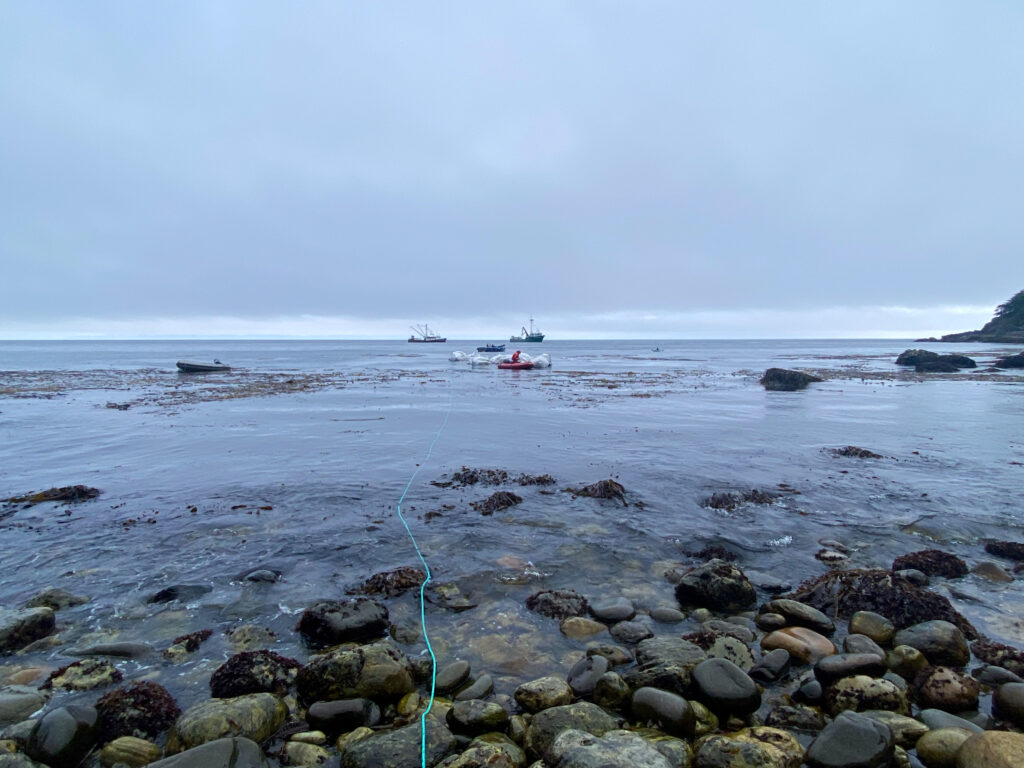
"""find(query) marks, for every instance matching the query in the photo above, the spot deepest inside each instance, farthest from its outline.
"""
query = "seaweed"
(843, 593)
(497, 502)
(254, 672)
(68, 493)
(933, 562)
(143, 709)
(391, 583)
(602, 489)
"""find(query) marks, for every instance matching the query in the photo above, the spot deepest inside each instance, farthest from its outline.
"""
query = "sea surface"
(295, 461)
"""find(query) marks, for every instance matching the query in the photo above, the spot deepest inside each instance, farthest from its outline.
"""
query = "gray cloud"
(469, 160)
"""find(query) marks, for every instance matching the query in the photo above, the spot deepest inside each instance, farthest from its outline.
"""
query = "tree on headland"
(1012, 309)
(1007, 326)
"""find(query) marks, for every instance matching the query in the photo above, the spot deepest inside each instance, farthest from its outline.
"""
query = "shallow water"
(328, 434)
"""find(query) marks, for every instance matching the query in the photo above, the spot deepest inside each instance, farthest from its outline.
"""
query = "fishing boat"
(491, 348)
(186, 366)
(423, 335)
(531, 335)
(522, 366)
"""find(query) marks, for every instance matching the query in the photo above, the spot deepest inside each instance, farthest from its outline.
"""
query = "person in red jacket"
(515, 356)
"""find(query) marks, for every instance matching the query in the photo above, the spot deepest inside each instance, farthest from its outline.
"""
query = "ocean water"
(296, 459)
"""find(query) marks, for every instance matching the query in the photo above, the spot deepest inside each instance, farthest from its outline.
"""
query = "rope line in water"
(426, 568)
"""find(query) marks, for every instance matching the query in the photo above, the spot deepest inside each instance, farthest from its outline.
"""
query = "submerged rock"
(392, 583)
(399, 748)
(616, 749)
(18, 628)
(84, 675)
(583, 716)
(237, 752)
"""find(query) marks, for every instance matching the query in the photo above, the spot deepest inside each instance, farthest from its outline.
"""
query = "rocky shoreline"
(854, 668)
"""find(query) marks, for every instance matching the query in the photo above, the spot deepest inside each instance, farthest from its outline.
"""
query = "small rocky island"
(1006, 327)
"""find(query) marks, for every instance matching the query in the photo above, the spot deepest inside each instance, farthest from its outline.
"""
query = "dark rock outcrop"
(253, 672)
(782, 380)
(340, 621)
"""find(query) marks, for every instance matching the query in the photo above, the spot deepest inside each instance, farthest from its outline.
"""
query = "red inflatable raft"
(516, 366)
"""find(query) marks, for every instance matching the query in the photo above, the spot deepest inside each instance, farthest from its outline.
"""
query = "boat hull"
(492, 348)
(189, 367)
(516, 366)
(414, 340)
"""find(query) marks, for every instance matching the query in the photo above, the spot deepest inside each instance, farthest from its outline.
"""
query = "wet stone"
(630, 631)
(840, 665)
(474, 717)
(378, 671)
(84, 675)
(725, 688)
(852, 741)
(616, 654)
(301, 753)
(718, 585)
(873, 625)
(990, 674)
(182, 592)
(255, 716)
(804, 644)
(1008, 703)
(117, 650)
(726, 751)
(664, 662)
(771, 666)
(63, 736)
(718, 626)
(237, 752)
(56, 600)
(667, 615)
(130, 751)
(616, 749)
(481, 687)
(400, 747)
(938, 748)
(585, 673)
(577, 627)
(611, 692)
(18, 628)
(452, 676)
(940, 641)
(17, 702)
(992, 749)
(905, 661)
(810, 691)
(340, 716)
(906, 730)
(340, 621)
(936, 718)
(862, 644)
(612, 611)
(861, 692)
(947, 689)
(800, 615)
(727, 647)
(543, 693)
(666, 711)
(770, 621)
(583, 716)
(796, 718)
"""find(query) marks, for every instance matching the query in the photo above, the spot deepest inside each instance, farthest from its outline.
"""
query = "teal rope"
(423, 616)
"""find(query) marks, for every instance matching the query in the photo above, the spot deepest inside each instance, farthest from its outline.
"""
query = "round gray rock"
(725, 688)
(940, 641)
(852, 741)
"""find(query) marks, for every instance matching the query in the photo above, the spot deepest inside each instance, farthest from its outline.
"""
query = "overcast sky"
(642, 169)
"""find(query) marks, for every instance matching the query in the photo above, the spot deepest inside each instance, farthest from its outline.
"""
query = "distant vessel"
(532, 335)
(424, 335)
(217, 366)
(491, 348)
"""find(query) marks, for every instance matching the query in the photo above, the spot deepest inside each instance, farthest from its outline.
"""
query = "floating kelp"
(602, 489)
(391, 583)
(853, 452)
(729, 501)
(496, 502)
(68, 493)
